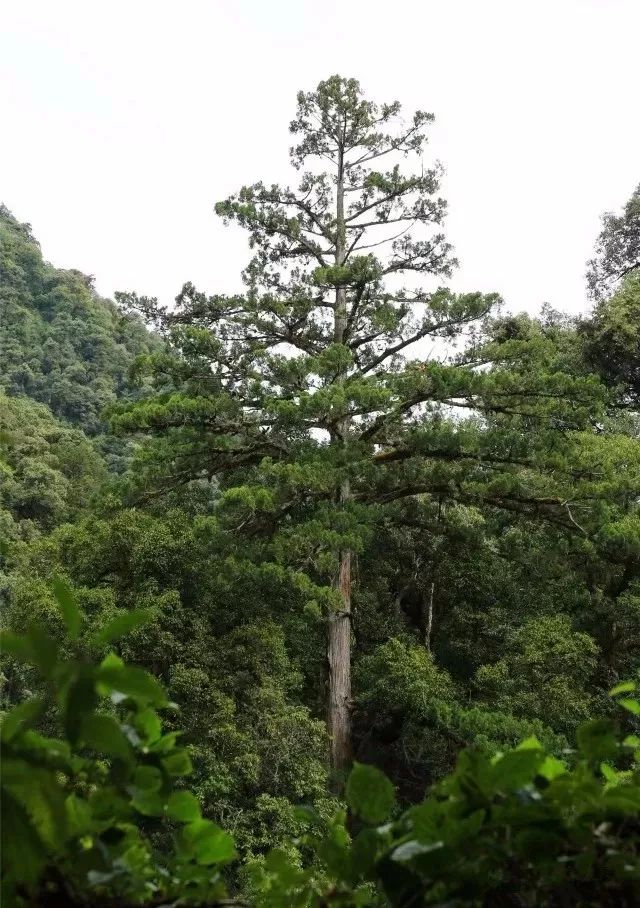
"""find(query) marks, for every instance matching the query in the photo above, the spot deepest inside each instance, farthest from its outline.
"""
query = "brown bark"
(428, 617)
(339, 642)
(339, 656)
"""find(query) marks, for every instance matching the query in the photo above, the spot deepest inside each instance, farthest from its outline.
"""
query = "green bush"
(99, 816)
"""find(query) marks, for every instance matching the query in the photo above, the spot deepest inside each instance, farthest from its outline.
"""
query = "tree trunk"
(339, 643)
(428, 617)
(339, 655)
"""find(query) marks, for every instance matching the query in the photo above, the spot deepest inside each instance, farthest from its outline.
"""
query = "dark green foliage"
(486, 493)
(61, 344)
(612, 339)
(523, 828)
(617, 252)
(81, 813)
(49, 471)
(230, 640)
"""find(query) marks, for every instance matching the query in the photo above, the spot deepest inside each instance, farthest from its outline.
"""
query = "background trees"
(617, 252)
(59, 343)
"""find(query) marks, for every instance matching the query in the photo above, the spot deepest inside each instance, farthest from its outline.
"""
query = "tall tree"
(617, 252)
(612, 333)
(298, 396)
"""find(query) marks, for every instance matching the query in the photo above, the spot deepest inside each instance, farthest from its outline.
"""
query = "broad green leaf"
(41, 796)
(178, 763)
(112, 660)
(103, 734)
(121, 626)
(335, 854)
(107, 804)
(21, 717)
(131, 682)
(623, 797)
(183, 806)
(210, 843)
(625, 687)
(631, 705)
(425, 819)
(147, 778)
(369, 793)
(609, 772)
(530, 743)
(365, 850)
(79, 817)
(148, 725)
(71, 614)
(551, 768)
(166, 743)
(597, 740)
(148, 803)
(517, 768)
(23, 852)
(50, 747)
(44, 649)
(80, 701)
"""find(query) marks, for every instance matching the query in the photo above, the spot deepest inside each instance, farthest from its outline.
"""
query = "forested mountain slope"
(60, 343)
(65, 354)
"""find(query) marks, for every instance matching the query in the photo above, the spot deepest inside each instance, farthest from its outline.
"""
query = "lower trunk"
(428, 617)
(339, 657)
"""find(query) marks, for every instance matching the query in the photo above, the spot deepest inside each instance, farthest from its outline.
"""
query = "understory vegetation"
(327, 592)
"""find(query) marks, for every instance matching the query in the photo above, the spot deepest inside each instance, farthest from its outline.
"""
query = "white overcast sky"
(121, 123)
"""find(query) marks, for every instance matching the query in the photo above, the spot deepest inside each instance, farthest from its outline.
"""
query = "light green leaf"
(149, 725)
(122, 625)
(369, 793)
(517, 768)
(625, 687)
(183, 806)
(103, 734)
(147, 778)
(131, 682)
(551, 768)
(148, 803)
(178, 763)
(530, 743)
(210, 843)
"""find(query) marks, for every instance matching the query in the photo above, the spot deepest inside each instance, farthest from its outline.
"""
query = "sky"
(122, 123)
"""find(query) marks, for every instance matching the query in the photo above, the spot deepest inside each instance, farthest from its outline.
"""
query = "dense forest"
(280, 565)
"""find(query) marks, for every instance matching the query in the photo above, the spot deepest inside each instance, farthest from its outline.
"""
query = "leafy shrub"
(98, 816)
(81, 814)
